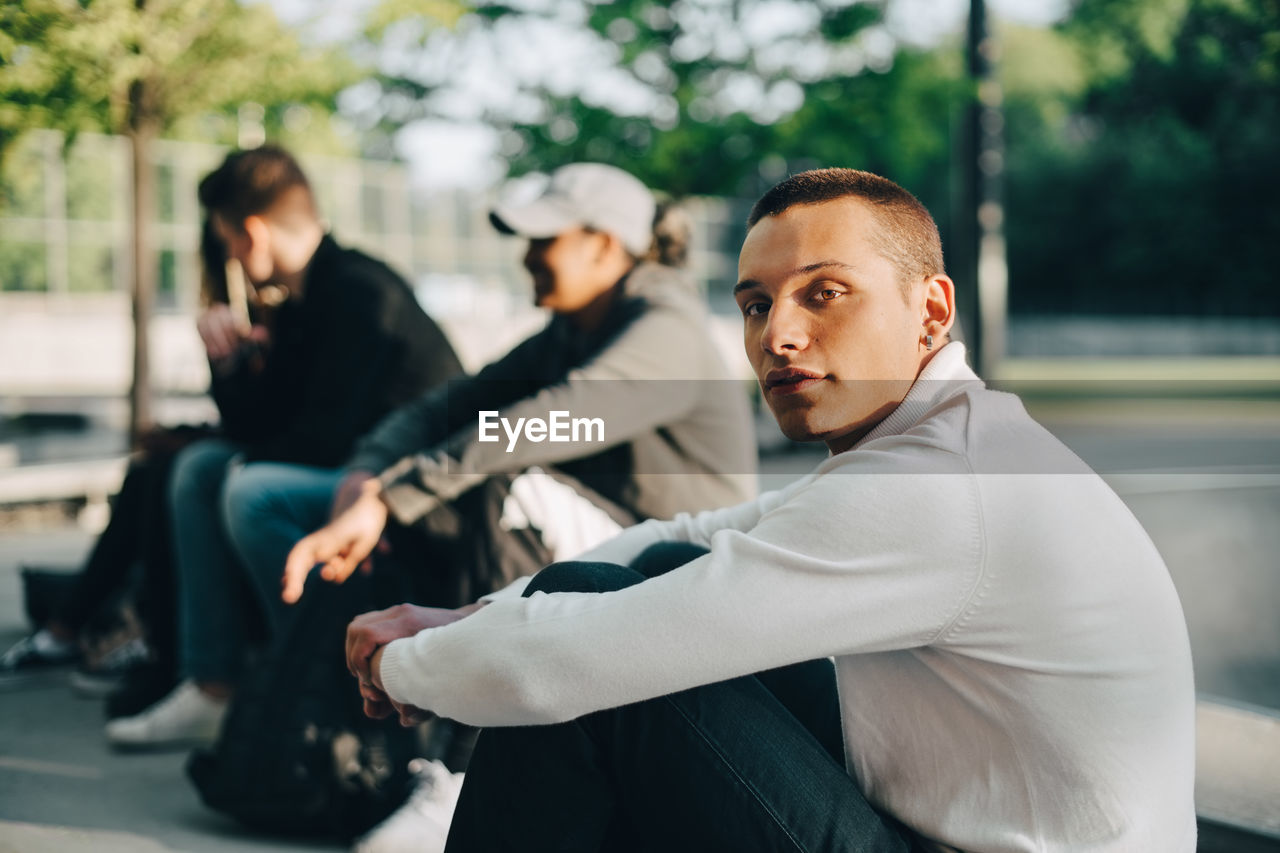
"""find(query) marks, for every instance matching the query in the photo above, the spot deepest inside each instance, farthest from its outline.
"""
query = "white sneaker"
(186, 717)
(422, 823)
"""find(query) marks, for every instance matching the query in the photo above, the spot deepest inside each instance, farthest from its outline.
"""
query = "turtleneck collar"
(946, 375)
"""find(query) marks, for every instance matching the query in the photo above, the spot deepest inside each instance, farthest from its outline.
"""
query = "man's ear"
(939, 305)
(607, 244)
(258, 230)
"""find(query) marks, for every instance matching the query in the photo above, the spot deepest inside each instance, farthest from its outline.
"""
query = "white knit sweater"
(1012, 659)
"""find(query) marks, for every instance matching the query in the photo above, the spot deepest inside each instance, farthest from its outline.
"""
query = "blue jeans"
(751, 764)
(267, 507)
(230, 552)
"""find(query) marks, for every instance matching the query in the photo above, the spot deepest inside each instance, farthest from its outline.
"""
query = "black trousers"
(137, 536)
(751, 764)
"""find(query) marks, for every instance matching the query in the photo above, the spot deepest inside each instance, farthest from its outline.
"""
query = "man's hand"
(348, 491)
(341, 546)
(366, 636)
(379, 705)
(222, 332)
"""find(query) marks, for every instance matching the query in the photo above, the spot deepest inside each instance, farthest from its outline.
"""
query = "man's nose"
(785, 330)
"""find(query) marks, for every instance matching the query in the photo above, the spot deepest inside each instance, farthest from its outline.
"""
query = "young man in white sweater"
(1011, 666)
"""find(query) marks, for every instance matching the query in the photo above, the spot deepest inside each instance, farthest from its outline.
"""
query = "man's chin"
(808, 431)
(797, 429)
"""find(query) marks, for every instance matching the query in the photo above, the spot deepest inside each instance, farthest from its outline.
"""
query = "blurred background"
(1104, 173)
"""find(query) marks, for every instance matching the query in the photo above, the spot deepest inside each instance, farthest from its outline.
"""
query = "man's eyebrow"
(822, 265)
(748, 283)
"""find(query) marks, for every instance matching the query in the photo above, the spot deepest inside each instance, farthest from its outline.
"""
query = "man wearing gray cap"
(585, 194)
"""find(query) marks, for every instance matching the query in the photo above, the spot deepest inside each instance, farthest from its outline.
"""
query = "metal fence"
(65, 217)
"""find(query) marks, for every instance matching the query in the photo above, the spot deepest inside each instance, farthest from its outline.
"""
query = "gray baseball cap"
(590, 195)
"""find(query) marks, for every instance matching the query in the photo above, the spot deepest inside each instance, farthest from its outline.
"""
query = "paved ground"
(1204, 477)
(56, 769)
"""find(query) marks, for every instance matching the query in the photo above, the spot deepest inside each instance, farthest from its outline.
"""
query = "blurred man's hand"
(341, 546)
(220, 331)
(349, 491)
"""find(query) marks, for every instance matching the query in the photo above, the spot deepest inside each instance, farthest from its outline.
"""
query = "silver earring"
(928, 343)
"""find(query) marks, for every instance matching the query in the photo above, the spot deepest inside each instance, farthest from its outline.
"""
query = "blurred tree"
(692, 96)
(1143, 179)
(138, 68)
(698, 97)
(1140, 133)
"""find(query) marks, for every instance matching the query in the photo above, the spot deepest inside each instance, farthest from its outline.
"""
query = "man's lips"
(789, 380)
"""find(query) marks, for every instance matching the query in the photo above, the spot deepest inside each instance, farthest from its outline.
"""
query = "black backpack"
(296, 753)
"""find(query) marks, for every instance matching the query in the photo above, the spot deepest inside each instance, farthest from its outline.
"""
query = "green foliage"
(22, 265)
(89, 267)
(733, 114)
(22, 181)
(1155, 193)
(91, 188)
(121, 65)
(430, 14)
(702, 96)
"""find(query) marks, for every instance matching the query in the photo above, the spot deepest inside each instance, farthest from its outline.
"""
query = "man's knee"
(664, 556)
(200, 469)
(248, 493)
(583, 577)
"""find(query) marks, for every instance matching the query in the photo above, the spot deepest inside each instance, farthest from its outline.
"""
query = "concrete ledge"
(1237, 756)
(95, 479)
(1250, 372)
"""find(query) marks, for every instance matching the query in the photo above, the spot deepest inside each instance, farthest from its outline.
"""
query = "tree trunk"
(141, 133)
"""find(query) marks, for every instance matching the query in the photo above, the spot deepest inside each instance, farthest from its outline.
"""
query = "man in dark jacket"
(338, 341)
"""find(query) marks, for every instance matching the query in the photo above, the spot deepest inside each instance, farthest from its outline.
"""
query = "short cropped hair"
(907, 237)
(249, 182)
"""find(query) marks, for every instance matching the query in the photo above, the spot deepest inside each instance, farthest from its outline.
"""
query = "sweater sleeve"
(421, 424)
(405, 431)
(617, 386)
(343, 379)
(845, 564)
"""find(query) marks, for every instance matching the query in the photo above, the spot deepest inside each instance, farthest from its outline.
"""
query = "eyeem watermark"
(559, 428)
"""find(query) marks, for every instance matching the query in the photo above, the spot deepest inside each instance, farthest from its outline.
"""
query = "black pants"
(137, 535)
(751, 764)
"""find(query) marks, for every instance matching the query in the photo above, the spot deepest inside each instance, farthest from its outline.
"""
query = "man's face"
(565, 270)
(833, 342)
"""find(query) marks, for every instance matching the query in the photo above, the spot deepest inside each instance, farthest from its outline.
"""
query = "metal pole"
(983, 269)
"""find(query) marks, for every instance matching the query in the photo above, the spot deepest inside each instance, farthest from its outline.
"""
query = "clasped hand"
(370, 632)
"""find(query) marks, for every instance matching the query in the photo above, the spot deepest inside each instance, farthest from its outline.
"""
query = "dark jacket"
(352, 348)
(678, 430)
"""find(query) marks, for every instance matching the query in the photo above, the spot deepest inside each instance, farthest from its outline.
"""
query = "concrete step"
(33, 838)
(1238, 768)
